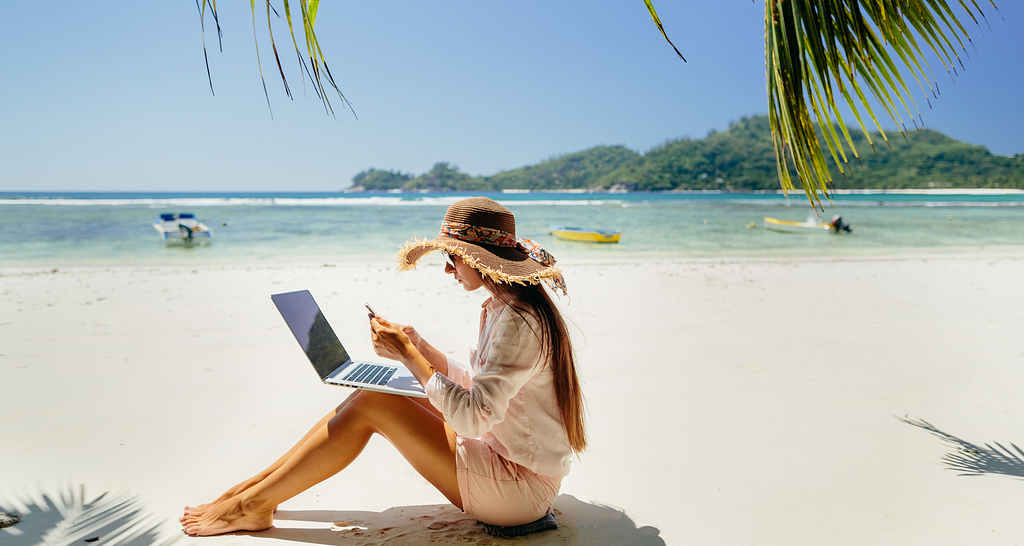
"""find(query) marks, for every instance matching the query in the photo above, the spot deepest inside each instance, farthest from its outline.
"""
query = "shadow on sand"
(68, 518)
(970, 459)
(578, 523)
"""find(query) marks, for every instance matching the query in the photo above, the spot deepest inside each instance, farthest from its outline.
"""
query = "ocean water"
(95, 229)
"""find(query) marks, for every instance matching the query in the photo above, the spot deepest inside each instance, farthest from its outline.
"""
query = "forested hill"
(739, 159)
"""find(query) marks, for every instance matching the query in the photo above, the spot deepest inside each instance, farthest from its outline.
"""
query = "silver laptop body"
(330, 359)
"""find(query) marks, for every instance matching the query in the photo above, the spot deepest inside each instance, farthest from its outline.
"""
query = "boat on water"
(182, 228)
(811, 225)
(585, 235)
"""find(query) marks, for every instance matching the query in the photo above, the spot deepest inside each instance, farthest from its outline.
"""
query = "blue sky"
(113, 96)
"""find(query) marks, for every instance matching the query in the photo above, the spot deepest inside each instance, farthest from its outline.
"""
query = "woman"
(494, 437)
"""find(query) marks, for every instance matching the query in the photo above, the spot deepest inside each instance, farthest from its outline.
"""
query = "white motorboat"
(182, 228)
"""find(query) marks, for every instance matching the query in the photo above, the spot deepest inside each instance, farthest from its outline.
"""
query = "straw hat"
(483, 234)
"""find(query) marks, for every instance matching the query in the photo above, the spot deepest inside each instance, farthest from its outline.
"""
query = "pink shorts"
(497, 491)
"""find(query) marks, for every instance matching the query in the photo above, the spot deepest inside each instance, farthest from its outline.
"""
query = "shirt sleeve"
(513, 357)
(459, 373)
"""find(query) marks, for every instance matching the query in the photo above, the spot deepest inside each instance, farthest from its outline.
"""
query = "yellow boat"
(585, 235)
(791, 226)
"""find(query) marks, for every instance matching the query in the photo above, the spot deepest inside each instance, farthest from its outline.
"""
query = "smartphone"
(373, 313)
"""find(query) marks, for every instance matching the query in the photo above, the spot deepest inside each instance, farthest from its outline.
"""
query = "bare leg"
(199, 510)
(423, 438)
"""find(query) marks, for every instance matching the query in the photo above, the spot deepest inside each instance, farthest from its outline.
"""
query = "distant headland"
(739, 159)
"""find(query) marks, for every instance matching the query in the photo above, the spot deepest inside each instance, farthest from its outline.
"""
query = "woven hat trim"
(548, 272)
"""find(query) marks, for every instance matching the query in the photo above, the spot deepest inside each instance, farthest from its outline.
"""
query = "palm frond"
(657, 21)
(858, 50)
(317, 71)
(202, 26)
(259, 64)
(270, 30)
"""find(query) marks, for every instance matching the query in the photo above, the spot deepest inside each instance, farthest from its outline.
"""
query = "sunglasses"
(448, 258)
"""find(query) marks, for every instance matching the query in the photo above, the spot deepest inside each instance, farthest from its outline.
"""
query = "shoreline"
(924, 255)
(18, 197)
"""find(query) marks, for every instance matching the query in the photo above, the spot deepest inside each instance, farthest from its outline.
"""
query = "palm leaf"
(298, 54)
(321, 72)
(273, 45)
(258, 63)
(202, 26)
(859, 49)
(317, 71)
(657, 21)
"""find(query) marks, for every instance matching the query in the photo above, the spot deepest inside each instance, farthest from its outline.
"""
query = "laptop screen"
(311, 330)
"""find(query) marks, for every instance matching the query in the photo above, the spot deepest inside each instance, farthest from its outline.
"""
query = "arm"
(404, 344)
(513, 358)
(436, 358)
(452, 369)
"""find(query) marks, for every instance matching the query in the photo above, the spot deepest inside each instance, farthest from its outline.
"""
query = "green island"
(738, 159)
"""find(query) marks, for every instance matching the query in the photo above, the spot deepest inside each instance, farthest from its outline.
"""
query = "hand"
(414, 336)
(393, 341)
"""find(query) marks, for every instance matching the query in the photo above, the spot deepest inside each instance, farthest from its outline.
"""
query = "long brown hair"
(554, 337)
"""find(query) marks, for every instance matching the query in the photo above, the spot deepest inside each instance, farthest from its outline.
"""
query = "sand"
(789, 402)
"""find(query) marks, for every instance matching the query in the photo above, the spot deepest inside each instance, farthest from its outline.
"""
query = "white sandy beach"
(768, 402)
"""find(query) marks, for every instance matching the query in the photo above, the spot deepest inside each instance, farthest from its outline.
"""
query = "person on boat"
(495, 436)
(838, 224)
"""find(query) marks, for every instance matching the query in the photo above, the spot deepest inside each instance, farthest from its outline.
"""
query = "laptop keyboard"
(371, 374)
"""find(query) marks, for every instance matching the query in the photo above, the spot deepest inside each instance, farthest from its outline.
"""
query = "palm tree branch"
(298, 52)
(202, 28)
(259, 64)
(657, 21)
(814, 48)
(273, 46)
(308, 18)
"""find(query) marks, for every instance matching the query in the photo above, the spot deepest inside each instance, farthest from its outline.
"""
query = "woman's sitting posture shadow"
(494, 437)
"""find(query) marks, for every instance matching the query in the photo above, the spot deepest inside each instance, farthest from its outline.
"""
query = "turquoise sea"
(60, 229)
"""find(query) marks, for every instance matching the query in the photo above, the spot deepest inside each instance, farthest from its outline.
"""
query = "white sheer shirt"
(506, 398)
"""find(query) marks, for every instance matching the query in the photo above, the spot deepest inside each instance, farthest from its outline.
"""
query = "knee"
(364, 405)
(348, 400)
(376, 404)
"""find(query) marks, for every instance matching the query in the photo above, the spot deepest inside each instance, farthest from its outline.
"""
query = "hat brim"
(499, 263)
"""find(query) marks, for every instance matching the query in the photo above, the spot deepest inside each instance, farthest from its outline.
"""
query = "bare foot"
(234, 491)
(228, 494)
(199, 511)
(225, 517)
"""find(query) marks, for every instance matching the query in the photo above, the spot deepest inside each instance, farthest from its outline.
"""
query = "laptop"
(329, 357)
